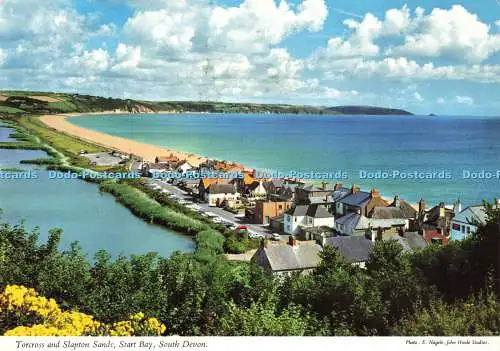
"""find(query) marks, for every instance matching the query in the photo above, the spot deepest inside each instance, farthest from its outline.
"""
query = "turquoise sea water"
(96, 220)
(352, 144)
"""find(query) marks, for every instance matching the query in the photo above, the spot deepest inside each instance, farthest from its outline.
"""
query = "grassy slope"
(87, 103)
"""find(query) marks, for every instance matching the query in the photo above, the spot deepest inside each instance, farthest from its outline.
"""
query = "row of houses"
(314, 216)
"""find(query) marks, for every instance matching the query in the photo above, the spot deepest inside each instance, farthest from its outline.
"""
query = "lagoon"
(94, 219)
(365, 148)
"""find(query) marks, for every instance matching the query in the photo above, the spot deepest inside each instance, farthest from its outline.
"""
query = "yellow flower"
(55, 322)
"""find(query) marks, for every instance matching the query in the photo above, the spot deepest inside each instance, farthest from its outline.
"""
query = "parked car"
(276, 237)
(241, 227)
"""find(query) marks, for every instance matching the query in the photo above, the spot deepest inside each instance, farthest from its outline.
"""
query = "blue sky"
(426, 56)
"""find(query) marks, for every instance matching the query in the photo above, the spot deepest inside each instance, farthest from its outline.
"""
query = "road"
(227, 216)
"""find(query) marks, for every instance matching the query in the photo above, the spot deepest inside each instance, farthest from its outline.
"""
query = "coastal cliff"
(22, 102)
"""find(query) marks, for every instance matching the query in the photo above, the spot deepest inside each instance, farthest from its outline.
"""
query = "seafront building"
(347, 218)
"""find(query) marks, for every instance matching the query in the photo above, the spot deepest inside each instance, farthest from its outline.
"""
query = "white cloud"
(465, 100)
(441, 101)
(418, 97)
(257, 24)
(127, 58)
(456, 33)
(2, 57)
(402, 68)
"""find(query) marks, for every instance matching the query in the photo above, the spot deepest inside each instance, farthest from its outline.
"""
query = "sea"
(437, 158)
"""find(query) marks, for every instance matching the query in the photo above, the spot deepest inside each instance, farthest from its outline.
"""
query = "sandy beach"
(145, 151)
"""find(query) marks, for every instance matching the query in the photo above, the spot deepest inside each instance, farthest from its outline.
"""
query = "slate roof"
(359, 198)
(320, 199)
(221, 189)
(479, 213)
(316, 211)
(382, 212)
(298, 210)
(353, 248)
(375, 201)
(348, 222)
(408, 210)
(283, 257)
(415, 240)
(340, 193)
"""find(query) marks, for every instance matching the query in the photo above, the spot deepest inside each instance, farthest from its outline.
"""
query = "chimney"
(354, 188)
(441, 210)
(397, 202)
(338, 186)
(375, 193)
(457, 207)
(292, 241)
(421, 206)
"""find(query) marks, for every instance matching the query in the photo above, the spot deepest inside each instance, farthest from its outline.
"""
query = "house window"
(468, 230)
(295, 219)
(280, 207)
(463, 229)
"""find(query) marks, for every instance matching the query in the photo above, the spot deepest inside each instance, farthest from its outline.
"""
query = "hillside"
(368, 110)
(20, 102)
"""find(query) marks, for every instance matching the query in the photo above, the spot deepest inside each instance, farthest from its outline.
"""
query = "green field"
(10, 110)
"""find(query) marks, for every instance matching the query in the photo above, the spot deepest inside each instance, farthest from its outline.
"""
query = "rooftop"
(353, 248)
(284, 257)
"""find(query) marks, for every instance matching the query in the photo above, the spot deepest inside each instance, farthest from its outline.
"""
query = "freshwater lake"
(454, 148)
(94, 219)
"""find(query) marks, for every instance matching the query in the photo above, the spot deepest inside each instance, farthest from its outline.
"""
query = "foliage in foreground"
(25, 313)
(428, 293)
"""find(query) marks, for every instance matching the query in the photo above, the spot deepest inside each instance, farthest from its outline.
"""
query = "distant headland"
(24, 102)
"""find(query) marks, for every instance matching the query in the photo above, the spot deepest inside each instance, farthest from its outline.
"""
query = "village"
(294, 220)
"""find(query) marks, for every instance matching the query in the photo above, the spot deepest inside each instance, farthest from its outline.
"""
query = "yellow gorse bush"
(21, 302)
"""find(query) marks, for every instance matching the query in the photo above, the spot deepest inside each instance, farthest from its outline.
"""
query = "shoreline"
(147, 152)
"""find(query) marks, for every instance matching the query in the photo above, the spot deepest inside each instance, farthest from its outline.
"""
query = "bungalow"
(219, 193)
(464, 224)
(356, 249)
(285, 259)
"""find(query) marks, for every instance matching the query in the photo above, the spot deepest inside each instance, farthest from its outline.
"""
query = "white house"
(257, 189)
(184, 167)
(295, 217)
(463, 224)
(307, 216)
(218, 193)
(318, 216)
